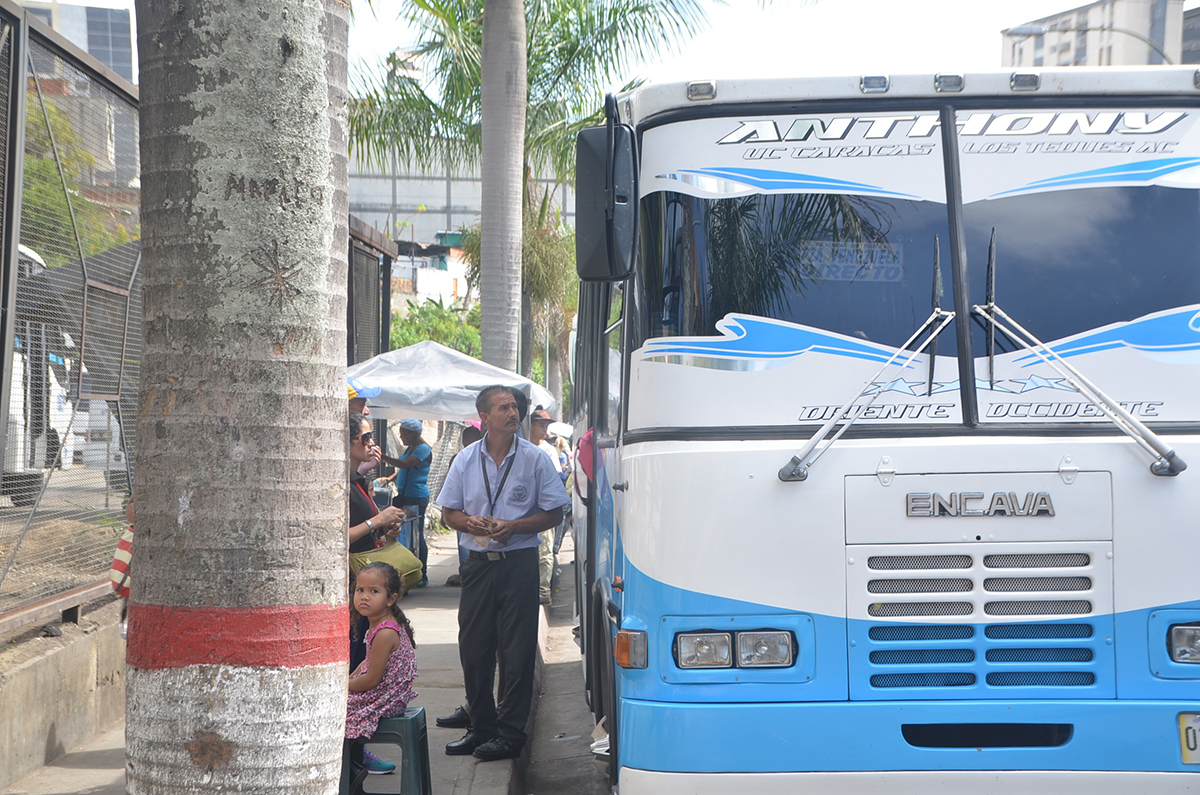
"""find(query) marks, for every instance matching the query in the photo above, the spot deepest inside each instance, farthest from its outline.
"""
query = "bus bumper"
(992, 782)
(769, 743)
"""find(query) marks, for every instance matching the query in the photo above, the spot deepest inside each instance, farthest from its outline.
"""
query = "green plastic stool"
(407, 731)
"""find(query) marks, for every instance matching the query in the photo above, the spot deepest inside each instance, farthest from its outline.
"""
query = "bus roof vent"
(1025, 82)
(946, 83)
(874, 84)
(701, 89)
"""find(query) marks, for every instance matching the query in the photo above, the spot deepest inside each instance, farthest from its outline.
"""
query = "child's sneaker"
(376, 766)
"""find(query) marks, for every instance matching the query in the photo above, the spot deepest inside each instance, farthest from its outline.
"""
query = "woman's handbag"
(395, 555)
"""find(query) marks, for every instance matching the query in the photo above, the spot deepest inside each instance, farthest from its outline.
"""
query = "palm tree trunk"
(554, 371)
(526, 335)
(503, 99)
(237, 652)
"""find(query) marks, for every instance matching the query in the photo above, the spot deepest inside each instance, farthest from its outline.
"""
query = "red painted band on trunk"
(279, 636)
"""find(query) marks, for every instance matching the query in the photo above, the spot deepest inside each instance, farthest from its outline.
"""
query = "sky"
(803, 37)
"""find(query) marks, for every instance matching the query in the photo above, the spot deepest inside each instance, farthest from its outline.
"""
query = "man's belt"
(471, 553)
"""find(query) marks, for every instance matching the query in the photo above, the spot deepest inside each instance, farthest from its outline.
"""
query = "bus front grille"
(1012, 620)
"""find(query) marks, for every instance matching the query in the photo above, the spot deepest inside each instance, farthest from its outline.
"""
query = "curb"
(520, 767)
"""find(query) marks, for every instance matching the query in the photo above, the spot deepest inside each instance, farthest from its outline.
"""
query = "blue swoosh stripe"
(1146, 171)
(764, 179)
(749, 337)
(1172, 331)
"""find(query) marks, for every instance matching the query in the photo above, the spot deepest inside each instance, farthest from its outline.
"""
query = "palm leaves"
(758, 245)
(578, 49)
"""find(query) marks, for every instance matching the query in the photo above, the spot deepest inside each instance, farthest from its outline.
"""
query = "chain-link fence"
(72, 335)
(443, 454)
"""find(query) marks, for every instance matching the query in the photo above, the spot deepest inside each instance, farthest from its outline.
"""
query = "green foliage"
(471, 246)
(547, 257)
(439, 323)
(576, 50)
(757, 256)
(46, 224)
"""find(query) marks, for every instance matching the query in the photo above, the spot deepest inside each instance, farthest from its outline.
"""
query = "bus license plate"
(1189, 737)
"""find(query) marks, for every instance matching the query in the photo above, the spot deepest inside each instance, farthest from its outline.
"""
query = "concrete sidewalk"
(98, 767)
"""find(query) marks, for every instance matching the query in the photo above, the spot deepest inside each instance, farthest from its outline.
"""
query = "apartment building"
(102, 28)
(1105, 33)
(1191, 37)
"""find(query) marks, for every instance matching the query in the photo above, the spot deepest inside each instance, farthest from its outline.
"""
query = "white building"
(436, 272)
(414, 206)
(1105, 33)
(424, 213)
(1191, 36)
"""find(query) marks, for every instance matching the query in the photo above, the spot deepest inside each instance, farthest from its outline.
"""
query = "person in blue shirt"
(499, 494)
(412, 485)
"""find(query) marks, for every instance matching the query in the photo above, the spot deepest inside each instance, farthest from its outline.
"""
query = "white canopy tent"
(429, 381)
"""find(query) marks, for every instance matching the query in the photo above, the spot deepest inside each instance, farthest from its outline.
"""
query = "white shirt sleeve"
(451, 495)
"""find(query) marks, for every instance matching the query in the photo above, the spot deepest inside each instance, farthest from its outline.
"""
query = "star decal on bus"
(980, 383)
(1038, 382)
(898, 385)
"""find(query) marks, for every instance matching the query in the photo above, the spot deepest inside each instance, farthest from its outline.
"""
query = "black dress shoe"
(497, 748)
(469, 742)
(458, 719)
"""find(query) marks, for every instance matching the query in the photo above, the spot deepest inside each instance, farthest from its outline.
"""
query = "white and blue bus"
(892, 385)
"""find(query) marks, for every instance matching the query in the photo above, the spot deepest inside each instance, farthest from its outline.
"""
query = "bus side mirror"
(605, 203)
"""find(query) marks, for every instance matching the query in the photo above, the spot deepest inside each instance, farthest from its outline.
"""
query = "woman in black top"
(367, 522)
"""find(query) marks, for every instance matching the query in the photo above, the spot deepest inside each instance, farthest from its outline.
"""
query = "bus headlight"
(704, 649)
(764, 649)
(1185, 643)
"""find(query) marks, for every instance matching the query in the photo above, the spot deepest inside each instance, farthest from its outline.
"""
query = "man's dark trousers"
(498, 612)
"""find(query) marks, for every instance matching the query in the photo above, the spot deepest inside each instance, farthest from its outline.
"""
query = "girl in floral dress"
(382, 685)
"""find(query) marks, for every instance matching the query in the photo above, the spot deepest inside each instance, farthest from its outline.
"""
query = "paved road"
(561, 758)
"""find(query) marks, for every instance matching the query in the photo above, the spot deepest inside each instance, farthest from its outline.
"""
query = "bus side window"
(611, 354)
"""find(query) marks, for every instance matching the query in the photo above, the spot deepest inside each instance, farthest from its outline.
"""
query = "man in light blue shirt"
(499, 494)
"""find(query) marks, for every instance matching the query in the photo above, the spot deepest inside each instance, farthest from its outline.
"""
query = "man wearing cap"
(539, 434)
(358, 394)
(499, 494)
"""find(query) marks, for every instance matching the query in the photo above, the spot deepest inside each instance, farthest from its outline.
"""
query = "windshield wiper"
(990, 297)
(1166, 462)
(938, 320)
(937, 307)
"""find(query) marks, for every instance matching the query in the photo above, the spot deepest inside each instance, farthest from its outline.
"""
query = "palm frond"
(577, 48)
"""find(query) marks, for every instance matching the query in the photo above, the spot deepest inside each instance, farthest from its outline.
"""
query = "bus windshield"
(858, 266)
(843, 249)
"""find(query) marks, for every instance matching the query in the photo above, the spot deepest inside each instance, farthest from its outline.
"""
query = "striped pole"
(238, 623)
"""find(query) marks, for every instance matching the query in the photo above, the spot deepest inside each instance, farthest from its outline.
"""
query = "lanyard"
(487, 483)
(370, 501)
